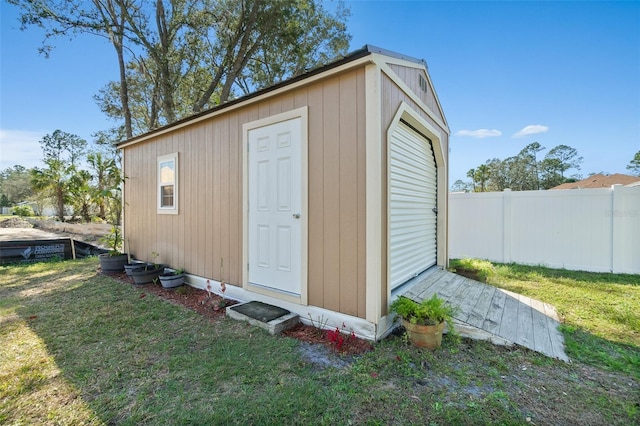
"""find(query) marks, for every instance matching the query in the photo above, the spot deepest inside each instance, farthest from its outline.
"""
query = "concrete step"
(268, 317)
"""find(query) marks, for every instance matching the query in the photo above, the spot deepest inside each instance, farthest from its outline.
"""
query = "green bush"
(23, 211)
(428, 312)
(480, 270)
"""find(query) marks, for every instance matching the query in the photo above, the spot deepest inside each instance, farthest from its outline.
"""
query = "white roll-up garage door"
(412, 205)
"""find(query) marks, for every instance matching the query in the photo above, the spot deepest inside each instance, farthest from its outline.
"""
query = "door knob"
(296, 215)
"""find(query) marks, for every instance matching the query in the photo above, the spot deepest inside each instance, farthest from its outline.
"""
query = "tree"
(80, 196)
(529, 157)
(232, 48)
(312, 38)
(461, 186)
(549, 173)
(104, 18)
(62, 152)
(53, 182)
(498, 175)
(106, 175)
(184, 56)
(634, 164)
(564, 158)
(15, 186)
(65, 147)
(479, 177)
(524, 172)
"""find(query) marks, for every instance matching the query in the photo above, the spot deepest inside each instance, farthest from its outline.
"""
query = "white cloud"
(532, 129)
(20, 147)
(480, 133)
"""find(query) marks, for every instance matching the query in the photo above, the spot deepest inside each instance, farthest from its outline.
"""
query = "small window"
(423, 83)
(168, 184)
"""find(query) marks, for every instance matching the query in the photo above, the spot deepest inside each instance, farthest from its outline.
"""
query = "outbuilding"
(323, 194)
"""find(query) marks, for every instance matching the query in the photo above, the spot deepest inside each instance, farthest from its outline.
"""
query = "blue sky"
(565, 72)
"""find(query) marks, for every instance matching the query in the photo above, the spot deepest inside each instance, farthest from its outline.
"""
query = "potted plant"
(129, 267)
(148, 272)
(131, 263)
(424, 321)
(114, 260)
(172, 279)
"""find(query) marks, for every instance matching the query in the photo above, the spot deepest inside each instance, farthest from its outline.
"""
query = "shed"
(323, 194)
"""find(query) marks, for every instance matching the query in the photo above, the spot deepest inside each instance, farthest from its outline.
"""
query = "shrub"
(23, 211)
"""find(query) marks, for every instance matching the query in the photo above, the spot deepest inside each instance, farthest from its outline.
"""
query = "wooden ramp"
(489, 313)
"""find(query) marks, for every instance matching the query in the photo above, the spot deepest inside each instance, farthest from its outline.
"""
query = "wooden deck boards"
(494, 314)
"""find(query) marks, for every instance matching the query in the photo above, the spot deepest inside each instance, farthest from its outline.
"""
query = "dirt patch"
(88, 232)
(471, 274)
(15, 222)
(91, 233)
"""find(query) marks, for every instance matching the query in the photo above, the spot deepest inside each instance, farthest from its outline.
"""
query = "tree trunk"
(60, 201)
(162, 59)
(114, 25)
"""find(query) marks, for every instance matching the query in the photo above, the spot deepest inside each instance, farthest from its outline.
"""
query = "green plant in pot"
(424, 321)
(114, 260)
(148, 272)
(172, 279)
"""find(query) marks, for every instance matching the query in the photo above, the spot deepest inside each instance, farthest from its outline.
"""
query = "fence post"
(617, 234)
(506, 226)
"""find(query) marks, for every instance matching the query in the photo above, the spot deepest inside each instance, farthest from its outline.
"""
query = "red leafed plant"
(337, 338)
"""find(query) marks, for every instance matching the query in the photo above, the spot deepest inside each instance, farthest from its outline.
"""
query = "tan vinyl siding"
(411, 77)
(394, 96)
(209, 224)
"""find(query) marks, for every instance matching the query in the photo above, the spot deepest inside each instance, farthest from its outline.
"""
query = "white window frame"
(174, 208)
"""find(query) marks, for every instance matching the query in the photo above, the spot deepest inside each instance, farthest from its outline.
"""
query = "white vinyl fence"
(580, 229)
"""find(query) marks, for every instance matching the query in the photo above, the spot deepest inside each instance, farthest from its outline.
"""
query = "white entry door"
(275, 206)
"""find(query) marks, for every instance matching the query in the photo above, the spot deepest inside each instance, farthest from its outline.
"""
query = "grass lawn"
(600, 312)
(81, 348)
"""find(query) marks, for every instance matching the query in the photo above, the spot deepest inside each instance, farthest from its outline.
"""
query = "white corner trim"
(373, 189)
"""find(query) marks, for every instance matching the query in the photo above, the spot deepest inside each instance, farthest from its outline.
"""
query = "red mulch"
(204, 304)
(350, 345)
(187, 296)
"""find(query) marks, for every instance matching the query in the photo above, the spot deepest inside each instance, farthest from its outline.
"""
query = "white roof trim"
(188, 122)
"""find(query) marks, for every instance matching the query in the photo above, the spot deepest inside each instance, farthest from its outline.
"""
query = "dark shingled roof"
(356, 54)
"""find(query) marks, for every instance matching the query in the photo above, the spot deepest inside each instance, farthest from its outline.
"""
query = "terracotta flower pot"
(424, 336)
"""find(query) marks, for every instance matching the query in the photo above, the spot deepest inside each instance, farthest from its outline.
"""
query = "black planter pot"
(128, 267)
(146, 274)
(171, 280)
(112, 264)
